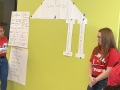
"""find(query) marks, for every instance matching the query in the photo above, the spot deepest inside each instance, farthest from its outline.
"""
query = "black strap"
(2, 56)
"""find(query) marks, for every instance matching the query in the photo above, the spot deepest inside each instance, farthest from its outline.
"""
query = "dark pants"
(99, 85)
(3, 73)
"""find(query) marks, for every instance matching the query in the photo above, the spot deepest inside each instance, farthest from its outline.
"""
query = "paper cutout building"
(62, 9)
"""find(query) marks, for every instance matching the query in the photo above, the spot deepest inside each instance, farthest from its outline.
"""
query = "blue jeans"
(99, 85)
(3, 72)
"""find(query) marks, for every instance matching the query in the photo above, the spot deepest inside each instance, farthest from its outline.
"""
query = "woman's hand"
(90, 84)
(92, 81)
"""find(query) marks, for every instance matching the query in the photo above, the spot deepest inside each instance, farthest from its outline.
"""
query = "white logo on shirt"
(98, 55)
(99, 70)
(100, 62)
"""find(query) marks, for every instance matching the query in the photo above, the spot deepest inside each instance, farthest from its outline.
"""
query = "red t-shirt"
(3, 44)
(99, 66)
(114, 75)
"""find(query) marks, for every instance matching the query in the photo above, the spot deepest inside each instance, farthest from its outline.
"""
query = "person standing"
(103, 58)
(3, 60)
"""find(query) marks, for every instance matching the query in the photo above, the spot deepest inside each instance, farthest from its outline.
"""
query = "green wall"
(47, 68)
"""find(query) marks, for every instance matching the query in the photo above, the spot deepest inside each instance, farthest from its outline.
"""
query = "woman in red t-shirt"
(3, 60)
(103, 58)
(114, 75)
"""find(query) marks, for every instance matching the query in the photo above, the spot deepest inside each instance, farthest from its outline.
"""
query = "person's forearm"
(90, 70)
(104, 74)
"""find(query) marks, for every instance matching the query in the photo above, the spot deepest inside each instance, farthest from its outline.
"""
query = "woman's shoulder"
(113, 50)
(4, 38)
(95, 48)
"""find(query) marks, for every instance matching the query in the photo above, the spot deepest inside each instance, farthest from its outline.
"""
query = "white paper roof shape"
(57, 9)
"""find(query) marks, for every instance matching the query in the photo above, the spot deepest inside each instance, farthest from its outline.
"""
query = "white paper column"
(69, 38)
(81, 39)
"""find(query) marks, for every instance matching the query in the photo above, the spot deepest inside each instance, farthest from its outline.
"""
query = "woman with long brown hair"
(103, 58)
